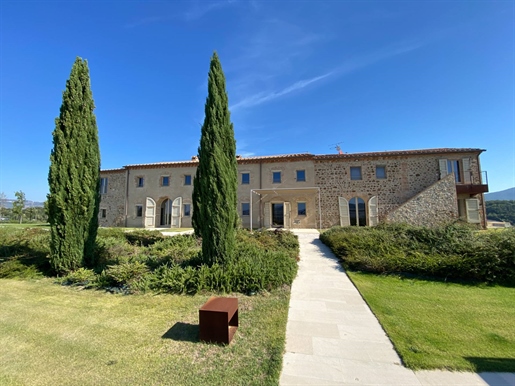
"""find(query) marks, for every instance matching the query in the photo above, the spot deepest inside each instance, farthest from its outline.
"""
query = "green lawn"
(53, 335)
(441, 325)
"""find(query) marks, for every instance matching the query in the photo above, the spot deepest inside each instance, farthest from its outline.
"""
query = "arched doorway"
(166, 212)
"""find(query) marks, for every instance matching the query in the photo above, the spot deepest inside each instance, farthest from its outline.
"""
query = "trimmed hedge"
(455, 251)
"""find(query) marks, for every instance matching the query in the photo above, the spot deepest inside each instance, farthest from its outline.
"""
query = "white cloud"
(262, 97)
(352, 64)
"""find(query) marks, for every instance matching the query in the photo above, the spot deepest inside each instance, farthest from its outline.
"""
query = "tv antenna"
(337, 147)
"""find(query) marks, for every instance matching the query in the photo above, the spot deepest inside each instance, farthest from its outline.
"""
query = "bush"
(146, 260)
(454, 251)
(80, 277)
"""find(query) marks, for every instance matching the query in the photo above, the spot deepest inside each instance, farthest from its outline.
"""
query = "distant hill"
(8, 203)
(508, 194)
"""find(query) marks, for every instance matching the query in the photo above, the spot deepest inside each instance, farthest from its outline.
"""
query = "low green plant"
(452, 252)
(80, 277)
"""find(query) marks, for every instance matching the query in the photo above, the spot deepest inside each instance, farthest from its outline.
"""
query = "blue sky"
(301, 76)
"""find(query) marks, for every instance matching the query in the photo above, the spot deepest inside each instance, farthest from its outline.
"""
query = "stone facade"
(433, 206)
(308, 191)
(112, 203)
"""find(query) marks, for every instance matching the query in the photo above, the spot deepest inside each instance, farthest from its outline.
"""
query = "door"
(268, 222)
(166, 213)
(150, 213)
(344, 212)
(176, 212)
(287, 215)
(278, 214)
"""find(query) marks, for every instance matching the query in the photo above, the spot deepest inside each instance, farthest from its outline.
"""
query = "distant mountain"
(8, 203)
(508, 194)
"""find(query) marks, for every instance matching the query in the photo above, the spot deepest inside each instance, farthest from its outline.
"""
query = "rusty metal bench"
(218, 320)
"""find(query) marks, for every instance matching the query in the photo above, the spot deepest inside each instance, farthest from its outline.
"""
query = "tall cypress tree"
(74, 176)
(215, 184)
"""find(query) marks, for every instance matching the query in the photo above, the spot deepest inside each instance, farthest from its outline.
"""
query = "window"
(453, 166)
(245, 178)
(187, 179)
(165, 181)
(357, 211)
(355, 173)
(301, 208)
(187, 210)
(276, 177)
(140, 182)
(381, 172)
(245, 209)
(301, 175)
(139, 210)
(103, 185)
(103, 213)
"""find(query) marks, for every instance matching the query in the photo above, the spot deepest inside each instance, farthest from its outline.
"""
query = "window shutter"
(466, 170)
(176, 213)
(443, 167)
(267, 215)
(287, 214)
(150, 213)
(344, 212)
(372, 212)
(472, 206)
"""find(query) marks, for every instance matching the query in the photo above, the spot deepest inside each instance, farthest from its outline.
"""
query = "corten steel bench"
(218, 320)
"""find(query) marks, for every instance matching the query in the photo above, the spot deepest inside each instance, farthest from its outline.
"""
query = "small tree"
(215, 185)
(74, 176)
(19, 204)
(3, 200)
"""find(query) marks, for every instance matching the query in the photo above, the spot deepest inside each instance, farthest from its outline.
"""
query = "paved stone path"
(332, 337)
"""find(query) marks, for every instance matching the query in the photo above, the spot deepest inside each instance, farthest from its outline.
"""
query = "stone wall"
(435, 205)
(114, 200)
(405, 177)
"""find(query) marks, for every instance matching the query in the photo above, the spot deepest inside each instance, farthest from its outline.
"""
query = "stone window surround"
(303, 179)
(140, 181)
(274, 174)
(355, 177)
(245, 182)
(162, 180)
(245, 208)
(139, 210)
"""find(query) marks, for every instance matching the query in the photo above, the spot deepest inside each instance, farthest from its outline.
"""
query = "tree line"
(501, 210)
(20, 212)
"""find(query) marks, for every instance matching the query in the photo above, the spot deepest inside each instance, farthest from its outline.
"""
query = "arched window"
(166, 212)
(357, 212)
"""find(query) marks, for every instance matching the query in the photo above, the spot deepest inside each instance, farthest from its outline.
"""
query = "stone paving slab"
(332, 337)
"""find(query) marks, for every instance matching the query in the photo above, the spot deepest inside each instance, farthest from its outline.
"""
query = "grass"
(53, 335)
(442, 325)
(25, 225)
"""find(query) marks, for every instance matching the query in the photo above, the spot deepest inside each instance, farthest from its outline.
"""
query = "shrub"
(80, 277)
(454, 251)
(126, 273)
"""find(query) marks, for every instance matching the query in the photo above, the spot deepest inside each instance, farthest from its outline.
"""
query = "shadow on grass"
(183, 332)
(502, 365)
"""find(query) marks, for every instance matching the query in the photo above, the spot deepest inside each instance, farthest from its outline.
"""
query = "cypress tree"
(74, 176)
(215, 184)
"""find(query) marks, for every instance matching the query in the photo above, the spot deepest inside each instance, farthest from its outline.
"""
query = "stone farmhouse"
(419, 187)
